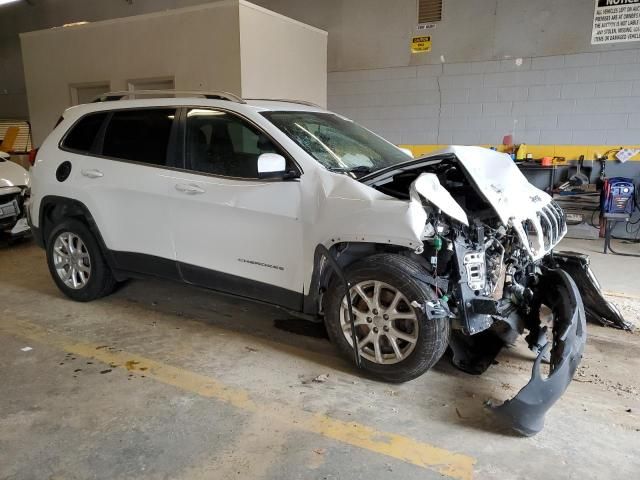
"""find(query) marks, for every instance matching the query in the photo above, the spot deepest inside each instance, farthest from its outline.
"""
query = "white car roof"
(248, 105)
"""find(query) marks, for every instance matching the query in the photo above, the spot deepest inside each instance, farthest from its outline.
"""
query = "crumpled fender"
(525, 412)
(349, 211)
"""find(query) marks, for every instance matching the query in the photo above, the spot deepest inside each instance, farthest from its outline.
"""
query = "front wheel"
(397, 342)
(76, 262)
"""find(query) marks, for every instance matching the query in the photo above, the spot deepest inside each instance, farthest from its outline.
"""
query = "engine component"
(476, 275)
(434, 309)
(472, 320)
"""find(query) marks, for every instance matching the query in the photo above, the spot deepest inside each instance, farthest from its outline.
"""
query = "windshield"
(337, 143)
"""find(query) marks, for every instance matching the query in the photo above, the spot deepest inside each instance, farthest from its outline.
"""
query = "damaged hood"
(538, 221)
(500, 181)
(12, 174)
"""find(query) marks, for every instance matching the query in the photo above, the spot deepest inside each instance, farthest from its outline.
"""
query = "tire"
(99, 281)
(387, 272)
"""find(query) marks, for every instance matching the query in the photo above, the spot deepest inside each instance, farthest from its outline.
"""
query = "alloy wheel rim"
(386, 324)
(71, 260)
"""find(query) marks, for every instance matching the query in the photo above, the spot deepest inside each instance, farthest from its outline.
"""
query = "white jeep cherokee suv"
(286, 203)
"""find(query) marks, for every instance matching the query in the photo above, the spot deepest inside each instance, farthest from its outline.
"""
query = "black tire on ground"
(401, 273)
(101, 280)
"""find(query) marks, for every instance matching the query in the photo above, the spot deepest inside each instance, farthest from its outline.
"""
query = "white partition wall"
(230, 45)
(281, 57)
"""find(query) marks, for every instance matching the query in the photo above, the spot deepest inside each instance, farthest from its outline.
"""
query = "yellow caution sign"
(420, 44)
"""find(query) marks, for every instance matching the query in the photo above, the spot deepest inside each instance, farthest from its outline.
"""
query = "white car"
(14, 189)
(283, 202)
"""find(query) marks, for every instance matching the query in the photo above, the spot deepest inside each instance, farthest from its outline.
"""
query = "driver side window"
(223, 144)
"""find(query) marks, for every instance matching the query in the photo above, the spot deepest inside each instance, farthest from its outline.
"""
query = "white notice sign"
(616, 21)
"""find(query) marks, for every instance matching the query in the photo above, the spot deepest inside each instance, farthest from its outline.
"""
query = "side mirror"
(271, 165)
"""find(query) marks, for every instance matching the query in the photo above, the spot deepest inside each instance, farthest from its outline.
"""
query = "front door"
(233, 231)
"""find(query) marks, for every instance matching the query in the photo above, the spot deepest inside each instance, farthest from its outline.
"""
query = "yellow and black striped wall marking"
(569, 152)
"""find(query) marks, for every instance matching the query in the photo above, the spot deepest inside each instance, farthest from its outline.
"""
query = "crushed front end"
(14, 192)
(499, 291)
(488, 248)
(13, 221)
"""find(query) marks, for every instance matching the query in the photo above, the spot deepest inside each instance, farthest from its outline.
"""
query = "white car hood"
(12, 174)
(500, 181)
(537, 220)
(533, 214)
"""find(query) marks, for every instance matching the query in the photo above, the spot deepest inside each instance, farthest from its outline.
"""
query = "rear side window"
(139, 135)
(84, 132)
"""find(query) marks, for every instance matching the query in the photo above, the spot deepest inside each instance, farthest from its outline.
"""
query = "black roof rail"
(130, 94)
(300, 102)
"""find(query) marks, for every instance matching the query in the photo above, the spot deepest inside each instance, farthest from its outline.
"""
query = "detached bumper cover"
(525, 412)
(597, 308)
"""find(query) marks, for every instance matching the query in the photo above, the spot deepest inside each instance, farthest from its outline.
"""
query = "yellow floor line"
(445, 462)
(621, 295)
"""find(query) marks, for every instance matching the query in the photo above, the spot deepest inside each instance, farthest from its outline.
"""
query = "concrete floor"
(163, 381)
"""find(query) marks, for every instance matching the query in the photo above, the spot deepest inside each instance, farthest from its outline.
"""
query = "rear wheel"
(396, 341)
(76, 262)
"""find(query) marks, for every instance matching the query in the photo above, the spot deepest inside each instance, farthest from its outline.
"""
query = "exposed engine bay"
(487, 250)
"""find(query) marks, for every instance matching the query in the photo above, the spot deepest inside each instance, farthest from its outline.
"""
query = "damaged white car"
(14, 190)
(286, 203)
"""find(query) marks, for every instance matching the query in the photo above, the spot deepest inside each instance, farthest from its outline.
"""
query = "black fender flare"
(310, 303)
(326, 259)
(70, 208)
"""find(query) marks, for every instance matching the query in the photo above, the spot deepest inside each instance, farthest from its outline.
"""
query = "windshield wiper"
(358, 169)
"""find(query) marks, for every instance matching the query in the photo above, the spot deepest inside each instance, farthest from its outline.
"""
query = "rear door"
(123, 182)
(233, 231)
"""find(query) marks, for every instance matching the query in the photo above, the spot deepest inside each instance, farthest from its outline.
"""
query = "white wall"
(370, 39)
(363, 34)
(367, 34)
(199, 47)
(281, 57)
(19, 17)
(564, 91)
(577, 99)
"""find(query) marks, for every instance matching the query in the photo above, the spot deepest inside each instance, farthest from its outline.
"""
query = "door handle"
(189, 189)
(92, 173)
